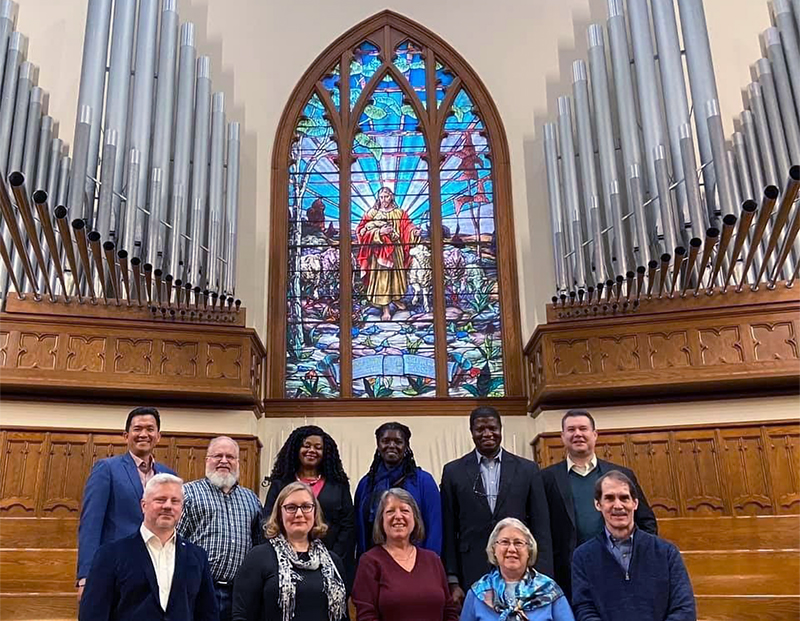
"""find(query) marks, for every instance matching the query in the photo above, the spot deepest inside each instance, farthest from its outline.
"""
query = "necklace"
(399, 558)
(309, 481)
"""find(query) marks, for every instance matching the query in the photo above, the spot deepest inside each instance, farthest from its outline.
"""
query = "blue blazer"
(111, 506)
(122, 585)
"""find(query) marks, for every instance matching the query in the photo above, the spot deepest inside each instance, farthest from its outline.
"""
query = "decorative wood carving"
(43, 472)
(720, 345)
(98, 358)
(746, 469)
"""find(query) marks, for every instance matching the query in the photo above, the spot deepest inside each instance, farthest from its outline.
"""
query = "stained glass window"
(413, 308)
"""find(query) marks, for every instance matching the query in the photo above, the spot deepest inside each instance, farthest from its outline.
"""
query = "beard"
(222, 480)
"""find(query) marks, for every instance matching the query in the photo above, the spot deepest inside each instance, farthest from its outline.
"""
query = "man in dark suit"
(569, 486)
(111, 504)
(480, 489)
(153, 574)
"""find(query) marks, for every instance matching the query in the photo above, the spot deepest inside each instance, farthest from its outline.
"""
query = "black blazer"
(468, 521)
(337, 507)
(122, 586)
(562, 516)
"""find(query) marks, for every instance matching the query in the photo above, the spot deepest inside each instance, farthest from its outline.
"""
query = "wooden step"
(747, 608)
(765, 532)
(37, 570)
(744, 572)
(39, 606)
(38, 532)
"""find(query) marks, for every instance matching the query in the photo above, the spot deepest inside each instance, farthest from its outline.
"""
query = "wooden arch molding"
(386, 30)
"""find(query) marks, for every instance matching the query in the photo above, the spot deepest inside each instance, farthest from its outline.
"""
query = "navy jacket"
(468, 521)
(562, 516)
(656, 587)
(111, 505)
(122, 585)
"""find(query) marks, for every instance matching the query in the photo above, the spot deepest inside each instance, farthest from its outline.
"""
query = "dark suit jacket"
(110, 508)
(468, 521)
(562, 516)
(337, 507)
(122, 585)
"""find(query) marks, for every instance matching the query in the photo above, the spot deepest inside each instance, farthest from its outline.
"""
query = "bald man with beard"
(222, 517)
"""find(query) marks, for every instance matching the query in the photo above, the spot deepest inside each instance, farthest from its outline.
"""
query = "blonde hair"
(274, 524)
(518, 525)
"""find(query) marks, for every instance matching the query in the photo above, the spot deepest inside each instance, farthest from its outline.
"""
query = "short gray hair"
(158, 480)
(221, 439)
(513, 523)
(379, 535)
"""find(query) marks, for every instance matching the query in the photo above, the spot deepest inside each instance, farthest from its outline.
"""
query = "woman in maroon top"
(396, 580)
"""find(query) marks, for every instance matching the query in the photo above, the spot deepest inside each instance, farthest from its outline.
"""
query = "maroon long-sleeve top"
(384, 591)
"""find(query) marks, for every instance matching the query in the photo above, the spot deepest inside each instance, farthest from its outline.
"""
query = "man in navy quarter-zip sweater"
(625, 573)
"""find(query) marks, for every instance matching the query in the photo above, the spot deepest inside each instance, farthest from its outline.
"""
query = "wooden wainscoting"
(729, 497)
(42, 474)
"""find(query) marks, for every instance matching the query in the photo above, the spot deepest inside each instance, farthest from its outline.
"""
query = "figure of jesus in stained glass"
(385, 236)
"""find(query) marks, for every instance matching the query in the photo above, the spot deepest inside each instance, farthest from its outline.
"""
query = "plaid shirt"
(226, 526)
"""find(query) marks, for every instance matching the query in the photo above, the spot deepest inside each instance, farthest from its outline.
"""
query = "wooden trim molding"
(97, 359)
(385, 29)
(423, 406)
(707, 347)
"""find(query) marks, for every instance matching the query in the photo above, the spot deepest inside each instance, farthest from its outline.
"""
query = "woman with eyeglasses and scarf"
(292, 577)
(394, 466)
(513, 590)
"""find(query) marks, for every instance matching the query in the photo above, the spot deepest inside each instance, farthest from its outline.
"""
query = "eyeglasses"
(511, 543)
(478, 488)
(220, 456)
(292, 509)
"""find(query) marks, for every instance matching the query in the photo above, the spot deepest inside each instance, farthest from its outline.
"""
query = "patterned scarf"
(288, 577)
(533, 591)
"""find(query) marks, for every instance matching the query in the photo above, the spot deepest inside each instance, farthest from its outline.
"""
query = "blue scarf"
(384, 479)
(533, 591)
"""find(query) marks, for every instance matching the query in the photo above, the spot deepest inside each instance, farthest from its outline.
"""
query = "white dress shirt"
(571, 465)
(163, 557)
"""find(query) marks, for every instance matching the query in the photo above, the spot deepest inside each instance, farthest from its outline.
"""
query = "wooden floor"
(742, 568)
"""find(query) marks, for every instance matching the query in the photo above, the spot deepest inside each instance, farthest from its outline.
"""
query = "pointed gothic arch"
(350, 88)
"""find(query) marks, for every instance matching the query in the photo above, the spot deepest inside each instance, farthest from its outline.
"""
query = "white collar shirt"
(582, 470)
(163, 557)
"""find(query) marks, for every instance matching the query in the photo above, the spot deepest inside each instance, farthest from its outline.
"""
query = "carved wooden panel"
(783, 459)
(699, 477)
(652, 461)
(37, 351)
(21, 468)
(179, 358)
(97, 358)
(774, 341)
(43, 472)
(721, 345)
(86, 353)
(748, 472)
(697, 471)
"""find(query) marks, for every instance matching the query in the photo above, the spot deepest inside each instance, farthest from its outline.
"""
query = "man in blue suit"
(153, 574)
(111, 507)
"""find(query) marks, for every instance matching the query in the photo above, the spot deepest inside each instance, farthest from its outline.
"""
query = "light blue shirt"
(490, 475)
(621, 549)
(476, 610)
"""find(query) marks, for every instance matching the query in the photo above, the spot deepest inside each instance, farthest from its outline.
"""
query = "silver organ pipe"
(121, 208)
(699, 210)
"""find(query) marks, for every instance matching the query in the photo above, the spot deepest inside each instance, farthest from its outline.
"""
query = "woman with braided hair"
(311, 456)
(394, 466)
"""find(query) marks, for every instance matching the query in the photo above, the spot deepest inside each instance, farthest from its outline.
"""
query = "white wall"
(522, 49)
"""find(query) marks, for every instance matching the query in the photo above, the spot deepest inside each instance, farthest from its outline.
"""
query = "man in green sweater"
(569, 486)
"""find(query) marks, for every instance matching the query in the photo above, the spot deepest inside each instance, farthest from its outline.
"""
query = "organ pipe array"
(142, 211)
(676, 210)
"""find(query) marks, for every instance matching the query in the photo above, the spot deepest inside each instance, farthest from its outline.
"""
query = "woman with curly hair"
(394, 466)
(311, 456)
